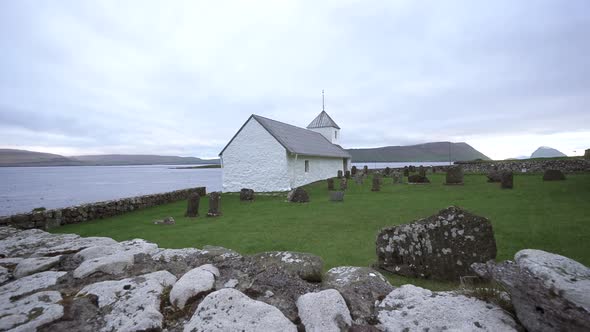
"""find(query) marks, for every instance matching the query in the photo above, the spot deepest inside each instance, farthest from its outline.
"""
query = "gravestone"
(339, 174)
(192, 209)
(442, 246)
(214, 204)
(365, 169)
(422, 171)
(343, 184)
(396, 177)
(353, 170)
(330, 184)
(553, 175)
(454, 175)
(507, 180)
(387, 171)
(247, 194)
(358, 179)
(412, 169)
(298, 195)
(336, 196)
(406, 171)
(417, 178)
(494, 176)
(347, 174)
(376, 184)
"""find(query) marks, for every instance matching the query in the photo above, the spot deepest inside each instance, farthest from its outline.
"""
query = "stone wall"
(85, 212)
(572, 165)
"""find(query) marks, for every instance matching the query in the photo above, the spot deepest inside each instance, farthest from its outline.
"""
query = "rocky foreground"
(64, 282)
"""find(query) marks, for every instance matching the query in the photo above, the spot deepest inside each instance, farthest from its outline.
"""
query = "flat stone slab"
(74, 245)
(324, 311)
(131, 304)
(230, 310)
(33, 265)
(116, 261)
(411, 308)
(30, 312)
(30, 284)
(307, 266)
(26, 243)
(193, 283)
(169, 255)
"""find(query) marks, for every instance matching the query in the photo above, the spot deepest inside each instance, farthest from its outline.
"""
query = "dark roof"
(297, 140)
(322, 120)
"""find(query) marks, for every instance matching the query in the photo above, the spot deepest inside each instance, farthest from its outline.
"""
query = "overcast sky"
(181, 77)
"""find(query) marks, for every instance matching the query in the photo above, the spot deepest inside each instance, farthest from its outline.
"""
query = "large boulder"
(361, 287)
(298, 195)
(442, 246)
(553, 175)
(307, 266)
(192, 284)
(230, 310)
(454, 175)
(411, 308)
(417, 178)
(131, 304)
(323, 311)
(549, 292)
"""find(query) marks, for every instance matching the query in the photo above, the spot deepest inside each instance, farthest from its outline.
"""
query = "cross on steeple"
(323, 108)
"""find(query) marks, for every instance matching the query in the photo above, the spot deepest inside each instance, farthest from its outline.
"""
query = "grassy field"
(553, 216)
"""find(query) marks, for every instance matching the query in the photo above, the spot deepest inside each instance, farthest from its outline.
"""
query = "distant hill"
(11, 157)
(437, 151)
(547, 152)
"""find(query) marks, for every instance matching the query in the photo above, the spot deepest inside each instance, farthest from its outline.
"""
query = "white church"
(268, 155)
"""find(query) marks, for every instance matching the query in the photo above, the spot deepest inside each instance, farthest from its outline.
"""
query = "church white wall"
(320, 168)
(328, 132)
(255, 160)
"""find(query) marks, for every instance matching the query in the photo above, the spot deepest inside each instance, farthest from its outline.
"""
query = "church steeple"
(324, 125)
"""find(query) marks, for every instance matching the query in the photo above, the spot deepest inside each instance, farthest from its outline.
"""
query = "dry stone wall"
(85, 212)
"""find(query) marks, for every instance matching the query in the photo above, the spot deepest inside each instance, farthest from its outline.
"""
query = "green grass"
(552, 216)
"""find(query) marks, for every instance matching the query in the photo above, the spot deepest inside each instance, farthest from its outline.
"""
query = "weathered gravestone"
(442, 246)
(549, 292)
(359, 179)
(330, 183)
(192, 209)
(339, 174)
(454, 175)
(422, 171)
(298, 195)
(336, 196)
(553, 175)
(365, 170)
(396, 177)
(347, 174)
(387, 171)
(353, 170)
(507, 180)
(376, 184)
(406, 171)
(247, 194)
(214, 204)
(343, 184)
(412, 169)
(417, 178)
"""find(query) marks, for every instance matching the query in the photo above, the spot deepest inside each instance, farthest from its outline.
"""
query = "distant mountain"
(11, 157)
(131, 159)
(547, 152)
(437, 151)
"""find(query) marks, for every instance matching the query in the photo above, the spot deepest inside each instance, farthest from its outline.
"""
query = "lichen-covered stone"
(31, 312)
(131, 304)
(298, 195)
(35, 264)
(411, 308)
(442, 246)
(343, 184)
(192, 284)
(323, 311)
(192, 205)
(454, 175)
(361, 287)
(30, 284)
(246, 194)
(214, 204)
(307, 266)
(549, 292)
(230, 310)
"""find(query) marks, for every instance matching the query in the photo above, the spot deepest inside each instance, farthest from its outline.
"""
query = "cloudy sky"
(180, 77)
